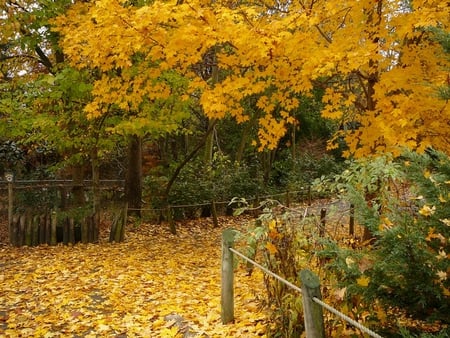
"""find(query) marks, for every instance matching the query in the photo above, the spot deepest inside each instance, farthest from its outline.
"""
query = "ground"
(139, 288)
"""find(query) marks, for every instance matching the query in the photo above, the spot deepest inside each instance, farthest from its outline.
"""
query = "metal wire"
(346, 318)
(296, 288)
(315, 299)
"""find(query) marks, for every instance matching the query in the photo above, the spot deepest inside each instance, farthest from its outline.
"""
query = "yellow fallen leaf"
(169, 332)
(426, 210)
(363, 281)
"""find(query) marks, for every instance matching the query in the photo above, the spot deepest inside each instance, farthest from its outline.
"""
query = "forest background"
(191, 102)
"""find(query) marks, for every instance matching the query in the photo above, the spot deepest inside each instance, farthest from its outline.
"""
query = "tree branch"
(187, 159)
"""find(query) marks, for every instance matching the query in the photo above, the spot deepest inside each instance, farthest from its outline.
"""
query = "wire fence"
(286, 195)
(227, 279)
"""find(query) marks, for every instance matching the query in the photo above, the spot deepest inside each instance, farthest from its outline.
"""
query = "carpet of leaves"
(126, 289)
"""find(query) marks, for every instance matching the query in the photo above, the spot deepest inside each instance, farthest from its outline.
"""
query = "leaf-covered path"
(125, 289)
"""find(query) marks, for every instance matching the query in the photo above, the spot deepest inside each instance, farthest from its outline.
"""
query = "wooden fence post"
(351, 229)
(28, 229)
(53, 225)
(10, 179)
(21, 230)
(214, 214)
(323, 222)
(309, 195)
(227, 295)
(35, 237)
(313, 312)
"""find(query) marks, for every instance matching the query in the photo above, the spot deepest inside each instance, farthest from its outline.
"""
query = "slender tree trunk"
(209, 144)
(374, 19)
(212, 122)
(186, 160)
(268, 158)
(96, 192)
(244, 139)
(134, 176)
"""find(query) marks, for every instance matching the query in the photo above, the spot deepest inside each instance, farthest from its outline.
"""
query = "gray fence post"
(53, 225)
(10, 179)
(312, 312)
(227, 295)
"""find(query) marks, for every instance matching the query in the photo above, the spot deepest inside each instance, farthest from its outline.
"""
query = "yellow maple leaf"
(446, 221)
(426, 210)
(169, 332)
(271, 248)
(363, 281)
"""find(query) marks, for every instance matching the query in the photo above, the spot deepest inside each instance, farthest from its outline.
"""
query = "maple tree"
(41, 96)
(378, 62)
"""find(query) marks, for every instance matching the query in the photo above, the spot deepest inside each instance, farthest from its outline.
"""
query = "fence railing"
(310, 291)
(46, 218)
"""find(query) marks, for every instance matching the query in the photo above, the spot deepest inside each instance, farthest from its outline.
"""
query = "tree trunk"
(96, 192)
(267, 161)
(186, 160)
(244, 140)
(134, 176)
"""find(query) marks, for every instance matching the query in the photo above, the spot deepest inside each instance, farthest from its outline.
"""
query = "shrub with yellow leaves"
(275, 239)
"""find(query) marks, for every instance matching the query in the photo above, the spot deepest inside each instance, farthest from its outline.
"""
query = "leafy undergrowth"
(126, 289)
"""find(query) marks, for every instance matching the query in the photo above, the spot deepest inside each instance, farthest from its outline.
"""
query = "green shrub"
(293, 174)
(198, 183)
(408, 213)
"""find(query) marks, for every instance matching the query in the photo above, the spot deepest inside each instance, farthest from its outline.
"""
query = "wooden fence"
(39, 212)
(35, 228)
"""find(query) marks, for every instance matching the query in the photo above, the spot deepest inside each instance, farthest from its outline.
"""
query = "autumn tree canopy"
(378, 62)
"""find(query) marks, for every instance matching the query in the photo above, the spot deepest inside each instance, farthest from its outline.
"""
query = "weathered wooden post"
(227, 295)
(312, 311)
(323, 223)
(214, 214)
(21, 232)
(53, 225)
(351, 229)
(10, 179)
(28, 229)
(35, 237)
(309, 195)
(288, 199)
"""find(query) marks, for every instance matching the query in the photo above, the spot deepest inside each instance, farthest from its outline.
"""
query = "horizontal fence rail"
(310, 292)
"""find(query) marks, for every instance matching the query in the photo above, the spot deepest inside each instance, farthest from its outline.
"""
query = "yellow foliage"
(378, 67)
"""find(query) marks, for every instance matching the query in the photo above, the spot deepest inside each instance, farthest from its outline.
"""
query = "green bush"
(412, 268)
(198, 183)
(293, 174)
(406, 206)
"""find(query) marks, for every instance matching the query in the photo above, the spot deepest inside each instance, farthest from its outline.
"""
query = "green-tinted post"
(227, 294)
(313, 312)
